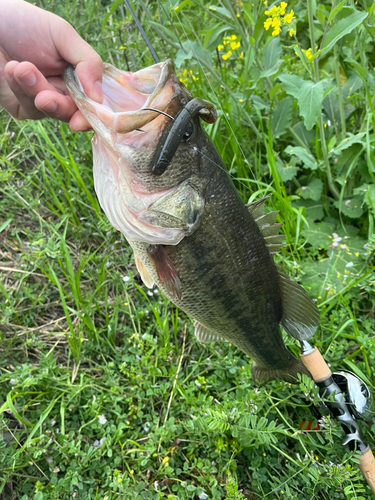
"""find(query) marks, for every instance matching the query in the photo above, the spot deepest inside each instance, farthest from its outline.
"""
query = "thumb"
(88, 63)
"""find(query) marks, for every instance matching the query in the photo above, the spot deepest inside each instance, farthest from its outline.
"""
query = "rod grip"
(367, 466)
(316, 365)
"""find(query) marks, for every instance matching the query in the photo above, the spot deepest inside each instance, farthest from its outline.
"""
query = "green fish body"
(192, 235)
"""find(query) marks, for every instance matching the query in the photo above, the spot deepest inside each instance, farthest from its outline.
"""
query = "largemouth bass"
(162, 183)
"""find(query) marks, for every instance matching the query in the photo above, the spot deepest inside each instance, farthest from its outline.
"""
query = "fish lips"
(126, 99)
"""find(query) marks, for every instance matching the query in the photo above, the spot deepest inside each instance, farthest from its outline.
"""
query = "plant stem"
(330, 181)
(312, 37)
(339, 90)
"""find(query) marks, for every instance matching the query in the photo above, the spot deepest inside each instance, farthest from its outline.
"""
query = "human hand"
(35, 48)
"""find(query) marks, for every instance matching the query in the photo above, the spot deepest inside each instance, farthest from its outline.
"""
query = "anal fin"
(165, 270)
(204, 335)
(300, 315)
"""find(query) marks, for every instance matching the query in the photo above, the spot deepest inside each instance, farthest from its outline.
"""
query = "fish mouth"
(127, 99)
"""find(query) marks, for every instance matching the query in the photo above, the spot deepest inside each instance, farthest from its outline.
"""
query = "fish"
(161, 182)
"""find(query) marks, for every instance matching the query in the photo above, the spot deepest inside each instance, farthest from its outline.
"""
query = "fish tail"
(290, 373)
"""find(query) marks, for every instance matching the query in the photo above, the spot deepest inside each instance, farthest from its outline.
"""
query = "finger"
(89, 66)
(36, 95)
(78, 123)
(24, 106)
(7, 99)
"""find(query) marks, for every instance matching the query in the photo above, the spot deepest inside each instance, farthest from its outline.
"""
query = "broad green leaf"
(221, 10)
(292, 84)
(313, 191)
(281, 116)
(213, 35)
(272, 53)
(370, 196)
(314, 209)
(319, 234)
(181, 56)
(358, 69)
(349, 141)
(346, 257)
(336, 10)
(258, 102)
(287, 172)
(351, 207)
(342, 28)
(306, 136)
(310, 98)
(303, 155)
(353, 84)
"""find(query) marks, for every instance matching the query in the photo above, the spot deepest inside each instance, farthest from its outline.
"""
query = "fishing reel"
(348, 400)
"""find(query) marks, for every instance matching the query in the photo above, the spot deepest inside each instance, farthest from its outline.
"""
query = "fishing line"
(136, 20)
(223, 169)
(142, 31)
(213, 91)
(158, 111)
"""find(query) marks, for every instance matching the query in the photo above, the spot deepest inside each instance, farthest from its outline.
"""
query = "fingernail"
(28, 78)
(98, 91)
(50, 106)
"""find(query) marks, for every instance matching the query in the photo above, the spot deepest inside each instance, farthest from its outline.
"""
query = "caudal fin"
(289, 373)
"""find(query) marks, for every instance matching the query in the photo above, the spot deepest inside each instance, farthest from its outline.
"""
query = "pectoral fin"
(166, 270)
(300, 315)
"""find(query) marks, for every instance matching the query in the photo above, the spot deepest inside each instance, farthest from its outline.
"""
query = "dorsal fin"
(270, 229)
(300, 315)
(204, 335)
(267, 225)
(256, 208)
(269, 218)
(146, 278)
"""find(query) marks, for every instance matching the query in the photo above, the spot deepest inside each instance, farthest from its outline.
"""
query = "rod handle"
(316, 365)
(367, 466)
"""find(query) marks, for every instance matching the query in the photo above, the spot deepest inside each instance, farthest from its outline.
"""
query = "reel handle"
(320, 371)
(367, 466)
(316, 365)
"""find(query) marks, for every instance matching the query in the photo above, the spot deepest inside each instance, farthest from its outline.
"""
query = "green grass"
(105, 393)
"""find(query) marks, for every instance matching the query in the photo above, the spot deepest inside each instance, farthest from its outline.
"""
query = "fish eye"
(188, 132)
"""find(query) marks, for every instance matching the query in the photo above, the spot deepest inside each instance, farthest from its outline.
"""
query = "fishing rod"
(345, 395)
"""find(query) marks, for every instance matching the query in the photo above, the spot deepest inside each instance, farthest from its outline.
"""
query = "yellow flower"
(233, 37)
(241, 55)
(276, 31)
(288, 17)
(195, 78)
(220, 47)
(235, 45)
(267, 23)
(227, 55)
(308, 53)
(292, 32)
